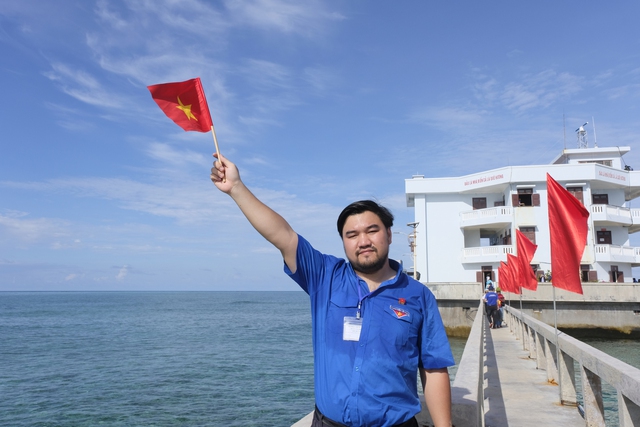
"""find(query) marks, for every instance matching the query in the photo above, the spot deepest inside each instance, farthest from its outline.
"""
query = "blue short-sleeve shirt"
(491, 298)
(373, 381)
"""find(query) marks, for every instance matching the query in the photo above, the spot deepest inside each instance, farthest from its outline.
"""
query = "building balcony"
(635, 219)
(615, 253)
(486, 254)
(490, 218)
(612, 215)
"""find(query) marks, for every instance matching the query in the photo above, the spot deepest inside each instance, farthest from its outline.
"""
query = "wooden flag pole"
(215, 142)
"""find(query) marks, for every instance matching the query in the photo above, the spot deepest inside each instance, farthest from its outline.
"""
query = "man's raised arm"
(265, 220)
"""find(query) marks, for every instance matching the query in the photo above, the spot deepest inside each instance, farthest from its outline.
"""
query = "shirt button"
(357, 368)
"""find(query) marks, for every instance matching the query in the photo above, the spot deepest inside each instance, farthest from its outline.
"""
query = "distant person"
(373, 328)
(501, 301)
(488, 283)
(491, 299)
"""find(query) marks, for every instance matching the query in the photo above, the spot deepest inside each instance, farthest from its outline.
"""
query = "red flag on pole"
(503, 280)
(184, 103)
(568, 232)
(513, 272)
(526, 249)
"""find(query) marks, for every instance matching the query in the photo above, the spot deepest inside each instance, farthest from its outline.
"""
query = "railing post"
(552, 362)
(525, 336)
(567, 377)
(628, 412)
(533, 345)
(541, 356)
(592, 395)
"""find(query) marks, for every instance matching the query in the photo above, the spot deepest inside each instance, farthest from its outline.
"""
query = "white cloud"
(122, 273)
(529, 91)
(84, 87)
(288, 16)
(21, 228)
(168, 154)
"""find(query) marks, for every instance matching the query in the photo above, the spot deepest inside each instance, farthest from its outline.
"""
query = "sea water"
(157, 358)
(626, 350)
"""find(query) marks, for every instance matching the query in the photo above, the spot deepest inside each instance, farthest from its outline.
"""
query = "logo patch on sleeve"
(400, 312)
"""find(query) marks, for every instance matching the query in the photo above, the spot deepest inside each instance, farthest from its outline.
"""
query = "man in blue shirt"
(491, 299)
(374, 328)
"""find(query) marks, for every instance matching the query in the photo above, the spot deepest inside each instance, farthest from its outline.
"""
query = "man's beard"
(371, 266)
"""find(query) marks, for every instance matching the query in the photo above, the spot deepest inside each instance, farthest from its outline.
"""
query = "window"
(615, 275)
(577, 193)
(584, 272)
(603, 237)
(600, 162)
(530, 233)
(479, 203)
(600, 199)
(526, 197)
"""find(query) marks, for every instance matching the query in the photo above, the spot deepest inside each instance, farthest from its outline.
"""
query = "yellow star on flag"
(169, 98)
(186, 109)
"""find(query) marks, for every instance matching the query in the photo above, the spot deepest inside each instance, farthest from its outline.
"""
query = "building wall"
(444, 237)
(439, 202)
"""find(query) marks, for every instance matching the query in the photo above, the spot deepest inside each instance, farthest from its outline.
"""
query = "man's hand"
(224, 174)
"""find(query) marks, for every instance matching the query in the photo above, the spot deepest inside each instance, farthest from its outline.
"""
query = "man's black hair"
(362, 206)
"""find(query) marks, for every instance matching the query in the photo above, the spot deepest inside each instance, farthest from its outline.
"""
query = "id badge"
(352, 328)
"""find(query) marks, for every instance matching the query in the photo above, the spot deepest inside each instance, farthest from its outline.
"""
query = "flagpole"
(521, 318)
(215, 142)
(558, 363)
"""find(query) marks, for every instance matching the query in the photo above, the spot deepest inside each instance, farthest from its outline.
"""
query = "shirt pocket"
(399, 326)
(340, 307)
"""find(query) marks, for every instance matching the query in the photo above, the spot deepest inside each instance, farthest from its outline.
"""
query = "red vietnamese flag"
(568, 234)
(184, 103)
(505, 285)
(526, 249)
(513, 272)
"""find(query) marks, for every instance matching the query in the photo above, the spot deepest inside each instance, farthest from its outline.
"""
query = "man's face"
(366, 242)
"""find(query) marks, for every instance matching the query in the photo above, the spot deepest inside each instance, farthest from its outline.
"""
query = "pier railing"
(467, 390)
(556, 352)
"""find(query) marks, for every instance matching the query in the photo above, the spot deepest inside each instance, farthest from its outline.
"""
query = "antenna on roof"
(582, 136)
(595, 140)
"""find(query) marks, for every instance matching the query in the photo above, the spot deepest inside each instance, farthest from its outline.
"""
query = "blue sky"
(320, 103)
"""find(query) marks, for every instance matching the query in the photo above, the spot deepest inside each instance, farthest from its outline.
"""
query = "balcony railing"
(498, 214)
(615, 253)
(611, 214)
(486, 253)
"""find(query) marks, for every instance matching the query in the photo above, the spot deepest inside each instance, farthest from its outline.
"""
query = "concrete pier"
(516, 392)
(509, 377)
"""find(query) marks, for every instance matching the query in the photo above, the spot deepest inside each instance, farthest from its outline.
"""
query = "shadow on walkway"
(494, 399)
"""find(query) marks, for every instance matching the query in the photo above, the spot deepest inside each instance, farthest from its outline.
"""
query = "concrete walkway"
(516, 393)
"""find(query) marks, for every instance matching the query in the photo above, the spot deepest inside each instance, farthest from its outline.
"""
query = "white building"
(467, 224)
